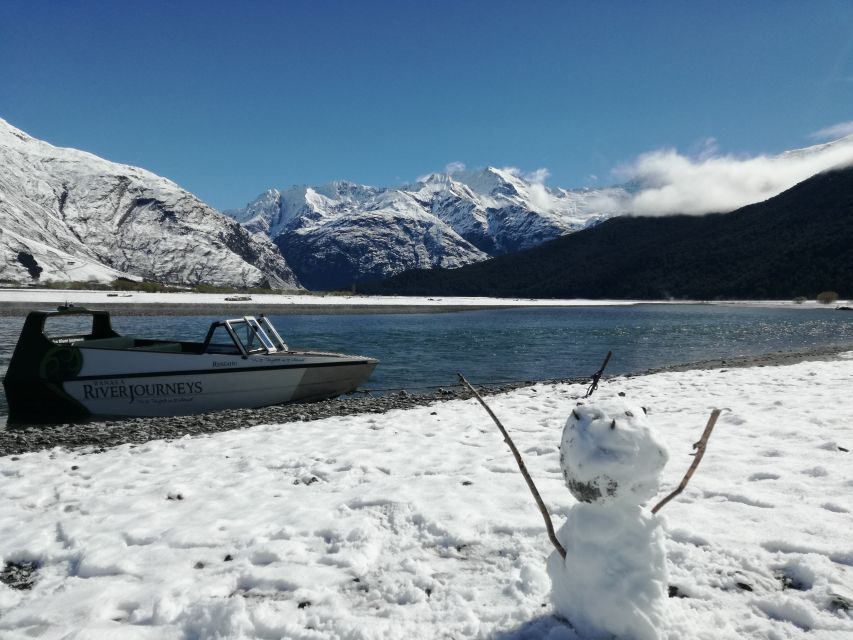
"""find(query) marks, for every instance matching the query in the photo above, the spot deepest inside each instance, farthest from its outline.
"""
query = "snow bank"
(94, 297)
(46, 296)
(416, 524)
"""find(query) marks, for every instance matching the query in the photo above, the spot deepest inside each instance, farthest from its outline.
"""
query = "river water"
(423, 350)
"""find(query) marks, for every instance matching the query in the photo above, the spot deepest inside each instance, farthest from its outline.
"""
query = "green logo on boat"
(61, 363)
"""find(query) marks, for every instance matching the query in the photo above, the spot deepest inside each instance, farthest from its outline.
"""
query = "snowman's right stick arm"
(700, 451)
(521, 467)
(597, 376)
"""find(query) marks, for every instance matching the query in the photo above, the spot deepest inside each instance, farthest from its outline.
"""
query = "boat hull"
(116, 383)
(242, 363)
(185, 394)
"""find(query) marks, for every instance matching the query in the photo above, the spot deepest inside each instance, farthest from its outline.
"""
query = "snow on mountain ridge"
(441, 220)
(14, 138)
(67, 215)
(833, 145)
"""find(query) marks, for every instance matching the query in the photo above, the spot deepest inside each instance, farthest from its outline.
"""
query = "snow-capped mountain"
(341, 233)
(70, 215)
(839, 149)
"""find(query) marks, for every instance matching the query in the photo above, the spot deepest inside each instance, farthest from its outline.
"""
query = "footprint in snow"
(828, 446)
(762, 475)
(733, 497)
(539, 451)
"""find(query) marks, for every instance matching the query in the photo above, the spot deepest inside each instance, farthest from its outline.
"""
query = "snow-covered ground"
(46, 296)
(417, 524)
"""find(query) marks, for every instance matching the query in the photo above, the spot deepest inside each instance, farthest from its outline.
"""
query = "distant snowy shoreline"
(18, 301)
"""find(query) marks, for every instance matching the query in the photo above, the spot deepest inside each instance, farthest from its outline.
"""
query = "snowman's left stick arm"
(521, 467)
(700, 451)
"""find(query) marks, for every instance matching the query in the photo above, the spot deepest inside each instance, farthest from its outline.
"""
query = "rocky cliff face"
(69, 215)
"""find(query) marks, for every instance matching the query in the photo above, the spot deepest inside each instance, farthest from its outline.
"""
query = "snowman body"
(613, 580)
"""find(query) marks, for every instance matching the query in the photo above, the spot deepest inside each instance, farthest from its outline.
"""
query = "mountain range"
(342, 233)
(69, 215)
(797, 243)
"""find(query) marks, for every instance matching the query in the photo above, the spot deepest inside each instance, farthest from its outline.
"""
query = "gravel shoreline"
(99, 435)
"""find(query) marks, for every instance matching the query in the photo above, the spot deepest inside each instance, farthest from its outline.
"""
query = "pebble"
(18, 575)
(98, 435)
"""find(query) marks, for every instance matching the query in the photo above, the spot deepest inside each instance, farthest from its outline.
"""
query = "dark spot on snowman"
(629, 414)
(584, 491)
(613, 423)
(675, 593)
(576, 415)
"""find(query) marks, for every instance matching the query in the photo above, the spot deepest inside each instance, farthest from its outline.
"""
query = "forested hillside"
(797, 243)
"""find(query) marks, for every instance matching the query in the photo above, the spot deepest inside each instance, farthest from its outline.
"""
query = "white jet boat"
(242, 363)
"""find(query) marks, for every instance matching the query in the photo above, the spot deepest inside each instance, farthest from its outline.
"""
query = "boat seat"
(119, 342)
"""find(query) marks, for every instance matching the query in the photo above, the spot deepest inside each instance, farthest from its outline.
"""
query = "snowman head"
(609, 453)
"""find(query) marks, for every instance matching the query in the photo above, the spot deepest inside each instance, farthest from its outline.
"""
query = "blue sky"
(229, 98)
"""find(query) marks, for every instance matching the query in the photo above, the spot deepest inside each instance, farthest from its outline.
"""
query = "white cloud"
(708, 148)
(670, 182)
(537, 177)
(454, 167)
(540, 198)
(834, 132)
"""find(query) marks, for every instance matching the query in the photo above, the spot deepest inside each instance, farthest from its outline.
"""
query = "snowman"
(613, 580)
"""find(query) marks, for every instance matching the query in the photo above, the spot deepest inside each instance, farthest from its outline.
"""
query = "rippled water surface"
(420, 350)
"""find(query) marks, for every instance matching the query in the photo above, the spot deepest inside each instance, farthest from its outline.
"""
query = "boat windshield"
(247, 335)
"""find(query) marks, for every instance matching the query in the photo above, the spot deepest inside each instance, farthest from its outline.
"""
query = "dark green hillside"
(796, 244)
